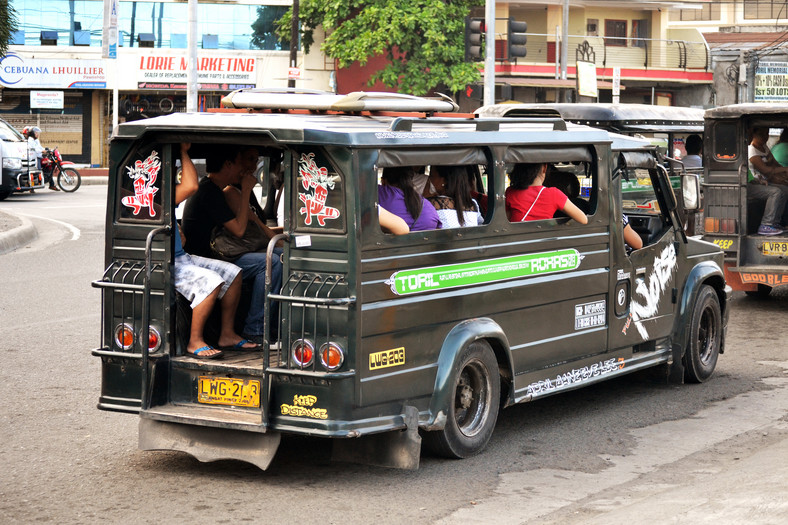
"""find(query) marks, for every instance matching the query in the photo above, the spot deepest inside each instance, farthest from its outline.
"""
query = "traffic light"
(474, 37)
(516, 38)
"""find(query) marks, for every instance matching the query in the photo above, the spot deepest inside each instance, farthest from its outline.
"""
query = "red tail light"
(303, 352)
(124, 336)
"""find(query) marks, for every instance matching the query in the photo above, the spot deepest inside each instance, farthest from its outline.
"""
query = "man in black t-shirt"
(207, 208)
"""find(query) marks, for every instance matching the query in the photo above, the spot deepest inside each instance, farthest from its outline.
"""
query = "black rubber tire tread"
(704, 338)
(762, 292)
(477, 374)
(75, 175)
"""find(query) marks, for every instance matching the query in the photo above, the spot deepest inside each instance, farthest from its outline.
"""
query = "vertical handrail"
(266, 389)
(144, 398)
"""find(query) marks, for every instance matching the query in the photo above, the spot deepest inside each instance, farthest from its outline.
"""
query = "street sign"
(294, 73)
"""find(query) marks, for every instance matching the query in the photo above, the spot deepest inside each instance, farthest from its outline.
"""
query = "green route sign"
(433, 278)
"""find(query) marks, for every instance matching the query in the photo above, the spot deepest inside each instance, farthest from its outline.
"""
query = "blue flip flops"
(205, 348)
(240, 346)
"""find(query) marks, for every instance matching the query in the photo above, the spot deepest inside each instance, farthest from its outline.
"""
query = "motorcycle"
(53, 165)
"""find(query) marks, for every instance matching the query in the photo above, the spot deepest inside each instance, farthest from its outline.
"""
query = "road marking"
(75, 233)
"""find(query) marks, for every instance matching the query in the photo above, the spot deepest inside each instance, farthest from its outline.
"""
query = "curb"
(19, 236)
(91, 180)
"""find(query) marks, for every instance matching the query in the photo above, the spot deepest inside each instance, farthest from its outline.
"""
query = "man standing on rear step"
(766, 181)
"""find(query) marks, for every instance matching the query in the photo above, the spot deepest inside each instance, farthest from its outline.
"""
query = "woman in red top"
(528, 200)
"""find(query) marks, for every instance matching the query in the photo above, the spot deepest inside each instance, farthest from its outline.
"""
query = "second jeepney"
(384, 339)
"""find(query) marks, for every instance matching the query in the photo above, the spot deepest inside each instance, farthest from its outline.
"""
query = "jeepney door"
(645, 279)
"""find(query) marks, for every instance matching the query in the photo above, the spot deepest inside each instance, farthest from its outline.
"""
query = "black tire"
(69, 180)
(4, 194)
(473, 409)
(762, 292)
(704, 338)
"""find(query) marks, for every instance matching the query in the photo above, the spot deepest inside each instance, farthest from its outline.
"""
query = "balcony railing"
(608, 52)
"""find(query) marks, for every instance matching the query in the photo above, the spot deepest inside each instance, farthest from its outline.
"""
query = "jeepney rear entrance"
(754, 263)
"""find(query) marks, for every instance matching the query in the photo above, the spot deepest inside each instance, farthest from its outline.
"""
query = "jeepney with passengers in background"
(667, 127)
(382, 340)
(753, 263)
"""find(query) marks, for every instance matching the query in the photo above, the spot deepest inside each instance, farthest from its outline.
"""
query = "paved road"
(625, 451)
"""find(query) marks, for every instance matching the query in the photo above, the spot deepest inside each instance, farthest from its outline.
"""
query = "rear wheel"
(69, 179)
(762, 292)
(705, 337)
(473, 410)
(4, 194)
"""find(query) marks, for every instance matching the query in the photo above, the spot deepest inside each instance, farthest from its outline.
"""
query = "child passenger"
(528, 200)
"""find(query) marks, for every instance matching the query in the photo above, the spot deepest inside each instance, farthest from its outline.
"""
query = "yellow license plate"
(227, 391)
(775, 248)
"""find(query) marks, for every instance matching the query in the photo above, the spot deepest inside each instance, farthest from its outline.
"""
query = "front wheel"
(705, 337)
(69, 179)
(473, 409)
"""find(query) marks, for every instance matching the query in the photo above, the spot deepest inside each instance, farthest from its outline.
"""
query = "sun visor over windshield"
(638, 159)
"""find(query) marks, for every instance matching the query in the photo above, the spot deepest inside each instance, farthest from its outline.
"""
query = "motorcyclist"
(32, 133)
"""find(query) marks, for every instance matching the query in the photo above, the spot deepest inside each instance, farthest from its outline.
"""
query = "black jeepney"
(753, 263)
(436, 329)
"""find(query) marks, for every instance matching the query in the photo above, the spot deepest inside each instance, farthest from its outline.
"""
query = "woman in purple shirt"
(398, 196)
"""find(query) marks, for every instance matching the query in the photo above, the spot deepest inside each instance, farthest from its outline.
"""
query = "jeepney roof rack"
(482, 124)
(285, 99)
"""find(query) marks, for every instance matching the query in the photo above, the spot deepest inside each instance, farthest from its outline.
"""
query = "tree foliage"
(423, 40)
(8, 24)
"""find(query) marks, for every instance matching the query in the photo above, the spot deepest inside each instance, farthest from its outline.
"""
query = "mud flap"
(397, 449)
(209, 443)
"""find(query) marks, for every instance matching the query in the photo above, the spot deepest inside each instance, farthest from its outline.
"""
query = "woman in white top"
(450, 193)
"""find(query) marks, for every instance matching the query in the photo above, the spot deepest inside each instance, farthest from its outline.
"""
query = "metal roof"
(365, 130)
(739, 110)
(631, 118)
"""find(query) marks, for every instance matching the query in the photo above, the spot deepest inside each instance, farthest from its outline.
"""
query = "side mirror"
(690, 191)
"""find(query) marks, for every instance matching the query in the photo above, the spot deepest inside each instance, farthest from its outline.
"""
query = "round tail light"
(154, 339)
(124, 336)
(331, 356)
(303, 352)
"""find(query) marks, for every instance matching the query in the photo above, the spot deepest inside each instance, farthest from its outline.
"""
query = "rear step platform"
(209, 443)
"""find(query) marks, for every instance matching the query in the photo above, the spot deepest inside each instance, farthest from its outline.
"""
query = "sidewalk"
(17, 231)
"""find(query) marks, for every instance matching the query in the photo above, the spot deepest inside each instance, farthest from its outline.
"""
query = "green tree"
(264, 34)
(423, 40)
(8, 24)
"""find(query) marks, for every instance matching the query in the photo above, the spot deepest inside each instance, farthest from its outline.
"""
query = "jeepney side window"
(444, 179)
(140, 185)
(319, 204)
(572, 170)
(725, 141)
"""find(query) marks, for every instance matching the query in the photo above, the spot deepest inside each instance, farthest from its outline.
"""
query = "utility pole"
(565, 47)
(489, 53)
(191, 72)
(294, 23)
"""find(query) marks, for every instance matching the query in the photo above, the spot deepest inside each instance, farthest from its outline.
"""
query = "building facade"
(55, 75)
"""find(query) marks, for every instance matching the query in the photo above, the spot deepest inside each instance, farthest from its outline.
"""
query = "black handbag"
(227, 246)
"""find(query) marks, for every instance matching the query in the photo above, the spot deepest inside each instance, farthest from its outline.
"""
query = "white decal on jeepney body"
(576, 375)
(652, 289)
(316, 182)
(144, 174)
